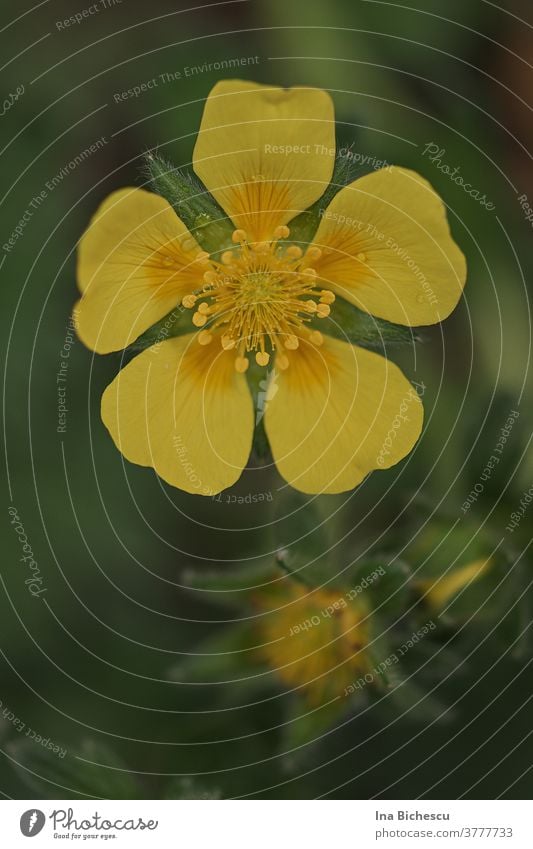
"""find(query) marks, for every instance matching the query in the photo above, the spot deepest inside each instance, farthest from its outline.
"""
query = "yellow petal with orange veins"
(265, 153)
(387, 248)
(185, 411)
(340, 411)
(133, 268)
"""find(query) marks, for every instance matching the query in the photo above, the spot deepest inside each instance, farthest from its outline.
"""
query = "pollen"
(259, 298)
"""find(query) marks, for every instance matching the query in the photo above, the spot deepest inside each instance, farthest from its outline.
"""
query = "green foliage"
(93, 772)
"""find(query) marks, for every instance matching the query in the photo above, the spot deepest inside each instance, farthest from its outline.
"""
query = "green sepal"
(345, 171)
(175, 323)
(351, 324)
(198, 210)
(385, 584)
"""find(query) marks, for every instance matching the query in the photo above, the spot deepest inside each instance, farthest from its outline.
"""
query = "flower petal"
(135, 262)
(182, 408)
(340, 412)
(387, 248)
(265, 153)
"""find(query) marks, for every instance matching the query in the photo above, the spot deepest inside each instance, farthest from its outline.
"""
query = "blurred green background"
(89, 663)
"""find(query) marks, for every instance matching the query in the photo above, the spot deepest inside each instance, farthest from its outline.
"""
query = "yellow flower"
(183, 406)
(315, 640)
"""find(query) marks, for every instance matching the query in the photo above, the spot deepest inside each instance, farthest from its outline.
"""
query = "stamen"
(258, 299)
(198, 319)
(291, 342)
(227, 342)
(313, 253)
(294, 252)
(316, 337)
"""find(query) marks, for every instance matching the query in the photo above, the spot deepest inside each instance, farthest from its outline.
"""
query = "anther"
(294, 252)
(281, 232)
(310, 273)
(313, 253)
(198, 319)
(227, 342)
(316, 337)
(327, 297)
(323, 310)
(205, 337)
(282, 361)
(310, 306)
(227, 257)
(203, 308)
(291, 342)
(201, 256)
(262, 358)
(188, 244)
(241, 364)
(238, 236)
(188, 301)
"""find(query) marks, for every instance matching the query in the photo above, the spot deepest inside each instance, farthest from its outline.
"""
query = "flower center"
(259, 299)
